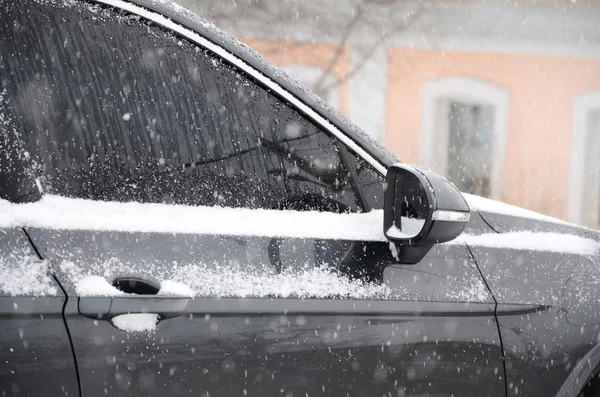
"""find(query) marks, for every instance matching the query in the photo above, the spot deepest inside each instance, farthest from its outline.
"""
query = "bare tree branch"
(376, 45)
(348, 29)
(290, 13)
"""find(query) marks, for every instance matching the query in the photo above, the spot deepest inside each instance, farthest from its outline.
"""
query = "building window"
(584, 192)
(470, 146)
(464, 133)
(316, 79)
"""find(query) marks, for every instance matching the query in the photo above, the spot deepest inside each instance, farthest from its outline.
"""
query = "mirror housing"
(421, 208)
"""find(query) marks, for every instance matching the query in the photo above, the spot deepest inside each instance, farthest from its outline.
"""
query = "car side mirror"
(421, 208)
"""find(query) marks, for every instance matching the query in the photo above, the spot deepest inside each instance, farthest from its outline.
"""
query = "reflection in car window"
(371, 182)
(124, 111)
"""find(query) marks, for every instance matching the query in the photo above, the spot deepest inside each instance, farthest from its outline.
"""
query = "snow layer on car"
(22, 274)
(535, 241)
(96, 286)
(483, 204)
(475, 291)
(56, 212)
(136, 322)
(314, 283)
(173, 288)
(236, 280)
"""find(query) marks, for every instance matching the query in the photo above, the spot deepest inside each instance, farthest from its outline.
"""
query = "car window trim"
(243, 66)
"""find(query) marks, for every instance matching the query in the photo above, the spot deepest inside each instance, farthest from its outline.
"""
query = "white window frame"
(583, 107)
(435, 134)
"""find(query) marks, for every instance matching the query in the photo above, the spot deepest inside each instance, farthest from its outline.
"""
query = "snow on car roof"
(535, 241)
(483, 204)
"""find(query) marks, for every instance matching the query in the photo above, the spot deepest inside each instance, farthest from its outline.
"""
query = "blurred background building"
(502, 97)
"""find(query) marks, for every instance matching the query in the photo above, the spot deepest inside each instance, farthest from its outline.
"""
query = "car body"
(178, 217)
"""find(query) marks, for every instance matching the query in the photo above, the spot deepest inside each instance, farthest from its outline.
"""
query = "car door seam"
(37, 252)
(486, 222)
(69, 334)
(497, 321)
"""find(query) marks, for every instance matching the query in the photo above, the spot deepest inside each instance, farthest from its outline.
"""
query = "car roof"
(208, 30)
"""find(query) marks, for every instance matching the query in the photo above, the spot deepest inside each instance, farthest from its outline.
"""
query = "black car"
(178, 217)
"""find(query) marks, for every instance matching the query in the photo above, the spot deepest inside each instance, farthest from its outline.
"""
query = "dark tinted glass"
(16, 183)
(371, 182)
(112, 108)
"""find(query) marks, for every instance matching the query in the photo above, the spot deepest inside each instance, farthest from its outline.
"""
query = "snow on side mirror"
(421, 208)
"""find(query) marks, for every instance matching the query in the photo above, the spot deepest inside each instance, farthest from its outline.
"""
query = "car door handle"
(107, 307)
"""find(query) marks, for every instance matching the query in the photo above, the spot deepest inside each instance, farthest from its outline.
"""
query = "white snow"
(96, 286)
(76, 214)
(136, 322)
(394, 251)
(293, 130)
(464, 284)
(22, 274)
(173, 288)
(486, 205)
(411, 227)
(235, 281)
(534, 241)
(475, 292)
(394, 232)
(57, 212)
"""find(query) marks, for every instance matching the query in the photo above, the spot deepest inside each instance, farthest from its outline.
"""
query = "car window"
(371, 182)
(124, 111)
(16, 184)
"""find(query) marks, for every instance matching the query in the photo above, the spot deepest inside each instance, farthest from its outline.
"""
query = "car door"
(36, 358)
(212, 240)
(35, 351)
(545, 277)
